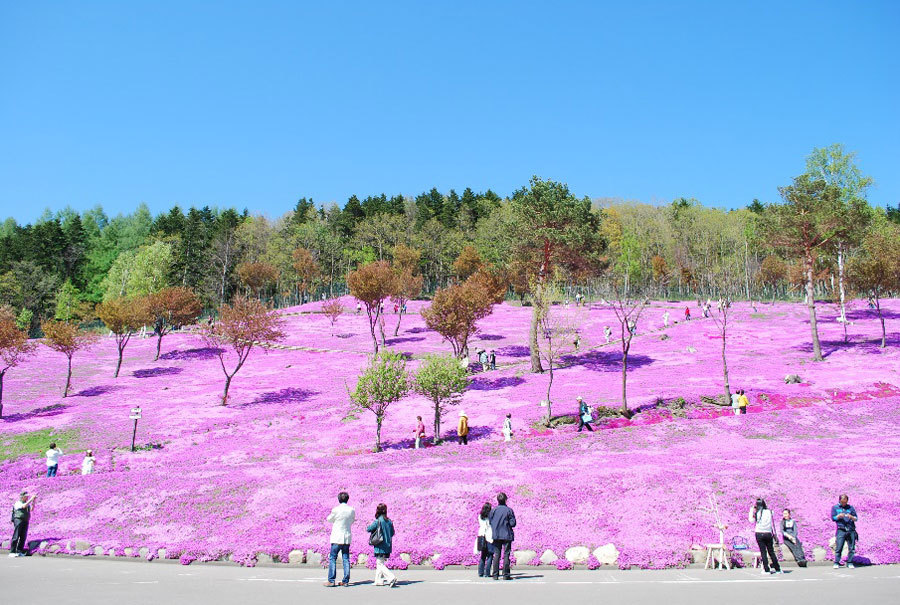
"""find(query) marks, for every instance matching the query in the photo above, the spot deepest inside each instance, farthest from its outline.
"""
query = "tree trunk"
(399, 319)
(840, 262)
(725, 370)
(227, 386)
(68, 378)
(533, 339)
(880, 317)
(624, 381)
(549, 384)
(437, 424)
(2, 374)
(372, 322)
(378, 434)
(119, 362)
(811, 303)
(158, 344)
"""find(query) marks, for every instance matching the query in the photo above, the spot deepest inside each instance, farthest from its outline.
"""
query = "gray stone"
(664, 337)
(262, 557)
(55, 548)
(524, 557)
(405, 557)
(111, 553)
(43, 545)
(698, 555)
(82, 545)
(792, 379)
(362, 559)
(819, 553)
(607, 554)
(5, 544)
(98, 551)
(296, 557)
(548, 557)
(144, 551)
(161, 553)
(577, 554)
(313, 558)
(128, 551)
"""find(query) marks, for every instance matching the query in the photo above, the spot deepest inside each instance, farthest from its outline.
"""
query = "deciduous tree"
(170, 308)
(443, 381)
(123, 317)
(558, 332)
(876, 271)
(242, 325)
(332, 309)
(467, 263)
(383, 382)
(628, 303)
(14, 346)
(372, 284)
(308, 271)
(454, 312)
(257, 275)
(67, 339)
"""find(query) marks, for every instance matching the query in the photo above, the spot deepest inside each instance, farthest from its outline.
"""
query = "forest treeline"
(681, 249)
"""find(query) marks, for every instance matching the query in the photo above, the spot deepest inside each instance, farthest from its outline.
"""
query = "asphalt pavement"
(64, 580)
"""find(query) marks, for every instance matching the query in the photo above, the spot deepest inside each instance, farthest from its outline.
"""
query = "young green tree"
(123, 317)
(170, 308)
(443, 381)
(811, 220)
(139, 272)
(372, 284)
(876, 271)
(628, 303)
(67, 339)
(553, 228)
(241, 326)
(14, 346)
(383, 382)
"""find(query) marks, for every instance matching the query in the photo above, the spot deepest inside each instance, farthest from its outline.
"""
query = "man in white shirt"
(341, 517)
(53, 455)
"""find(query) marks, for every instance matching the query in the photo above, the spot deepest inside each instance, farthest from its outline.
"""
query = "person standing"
(736, 402)
(53, 455)
(462, 429)
(687, 314)
(483, 360)
(358, 307)
(341, 518)
(744, 402)
(507, 428)
(383, 528)
(493, 360)
(607, 332)
(584, 415)
(789, 532)
(666, 319)
(484, 543)
(21, 515)
(761, 516)
(419, 432)
(87, 464)
(502, 520)
(844, 517)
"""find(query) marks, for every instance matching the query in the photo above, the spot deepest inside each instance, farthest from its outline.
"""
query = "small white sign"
(135, 414)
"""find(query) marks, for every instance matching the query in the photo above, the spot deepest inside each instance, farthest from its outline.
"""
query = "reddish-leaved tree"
(14, 346)
(171, 308)
(66, 338)
(123, 317)
(372, 284)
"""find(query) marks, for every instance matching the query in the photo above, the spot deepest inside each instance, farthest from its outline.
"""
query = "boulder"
(144, 551)
(690, 350)
(792, 379)
(42, 546)
(820, 554)
(549, 557)
(262, 557)
(161, 553)
(55, 548)
(82, 545)
(405, 557)
(607, 554)
(362, 559)
(128, 551)
(5, 544)
(98, 550)
(664, 337)
(296, 557)
(313, 558)
(524, 557)
(577, 554)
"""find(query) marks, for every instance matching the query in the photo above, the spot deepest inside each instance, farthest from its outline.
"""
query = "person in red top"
(687, 314)
(419, 432)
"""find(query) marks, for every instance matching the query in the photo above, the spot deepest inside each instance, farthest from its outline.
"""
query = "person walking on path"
(484, 545)
(341, 518)
(584, 415)
(789, 532)
(462, 429)
(419, 432)
(493, 360)
(507, 428)
(666, 319)
(21, 515)
(53, 455)
(744, 402)
(845, 518)
(502, 521)
(87, 464)
(736, 402)
(381, 532)
(761, 516)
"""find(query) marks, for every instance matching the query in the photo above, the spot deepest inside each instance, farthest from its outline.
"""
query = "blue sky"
(255, 104)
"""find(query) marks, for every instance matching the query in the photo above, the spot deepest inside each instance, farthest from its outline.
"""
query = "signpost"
(135, 415)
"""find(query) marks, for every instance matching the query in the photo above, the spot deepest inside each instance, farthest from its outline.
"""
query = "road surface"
(94, 581)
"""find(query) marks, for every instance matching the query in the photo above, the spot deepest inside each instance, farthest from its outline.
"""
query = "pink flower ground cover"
(259, 475)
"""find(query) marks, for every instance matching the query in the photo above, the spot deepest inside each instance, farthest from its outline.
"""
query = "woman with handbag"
(584, 415)
(484, 542)
(381, 534)
(761, 516)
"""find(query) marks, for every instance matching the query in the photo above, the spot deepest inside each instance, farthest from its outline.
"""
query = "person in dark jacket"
(21, 515)
(844, 517)
(584, 412)
(502, 520)
(383, 575)
(791, 540)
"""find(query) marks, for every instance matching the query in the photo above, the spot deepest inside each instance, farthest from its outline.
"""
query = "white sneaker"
(851, 566)
(837, 566)
(12, 554)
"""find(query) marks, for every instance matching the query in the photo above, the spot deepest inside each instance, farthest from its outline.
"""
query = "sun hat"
(462, 413)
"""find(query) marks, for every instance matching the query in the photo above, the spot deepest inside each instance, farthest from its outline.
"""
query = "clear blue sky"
(255, 104)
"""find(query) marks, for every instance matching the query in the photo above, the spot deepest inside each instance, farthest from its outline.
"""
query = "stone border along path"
(607, 555)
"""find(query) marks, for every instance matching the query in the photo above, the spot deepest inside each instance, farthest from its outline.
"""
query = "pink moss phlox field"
(260, 475)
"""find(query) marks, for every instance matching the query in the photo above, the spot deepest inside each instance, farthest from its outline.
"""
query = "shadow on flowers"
(153, 372)
(396, 341)
(514, 351)
(492, 384)
(288, 395)
(450, 438)
(871, 314)
(50, 410)
(607, 361)
(102, 389)
(188, 354)
(869, 347)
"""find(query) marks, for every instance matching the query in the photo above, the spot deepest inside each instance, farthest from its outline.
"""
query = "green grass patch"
(35, 442)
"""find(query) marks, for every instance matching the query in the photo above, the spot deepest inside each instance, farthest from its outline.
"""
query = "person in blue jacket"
(502, 520)
(844, 517)
(383, 575)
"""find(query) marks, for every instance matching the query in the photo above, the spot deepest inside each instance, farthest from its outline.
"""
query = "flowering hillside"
(258, 476)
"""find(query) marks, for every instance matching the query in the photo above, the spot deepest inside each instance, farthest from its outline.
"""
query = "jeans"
(344, 549)
(582, 423)
(504, 547)
(383, 575)
(51, 470)
(486, 560)
(766, 544)
(20, 533)
(840, 537)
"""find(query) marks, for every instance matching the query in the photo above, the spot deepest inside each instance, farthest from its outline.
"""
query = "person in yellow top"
(743, 402)
(462, 429)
